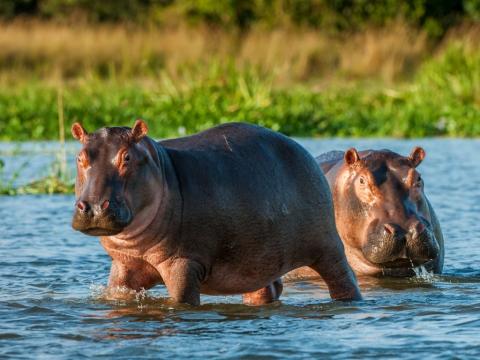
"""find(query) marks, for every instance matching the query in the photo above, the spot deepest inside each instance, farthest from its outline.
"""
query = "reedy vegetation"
(381, 82)
(389, 81)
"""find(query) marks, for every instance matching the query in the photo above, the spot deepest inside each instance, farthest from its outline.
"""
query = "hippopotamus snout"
(422, 246)
(100, 218)
(392, 243)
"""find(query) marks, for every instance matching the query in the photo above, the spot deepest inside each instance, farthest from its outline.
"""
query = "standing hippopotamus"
(386, 223)
(226, 211)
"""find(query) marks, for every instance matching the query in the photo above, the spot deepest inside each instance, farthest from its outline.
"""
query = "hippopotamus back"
(329, 159)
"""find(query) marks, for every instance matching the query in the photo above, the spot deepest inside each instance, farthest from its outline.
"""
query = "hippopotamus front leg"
(266, 295)
(182, 278)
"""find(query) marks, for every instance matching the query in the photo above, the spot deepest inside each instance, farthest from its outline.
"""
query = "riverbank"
(374, 83)
(442, 100)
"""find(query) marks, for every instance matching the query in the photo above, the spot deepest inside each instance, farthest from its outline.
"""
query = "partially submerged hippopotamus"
(226, 211)
(386, 223)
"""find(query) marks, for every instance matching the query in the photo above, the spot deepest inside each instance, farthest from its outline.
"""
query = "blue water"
(52, 284)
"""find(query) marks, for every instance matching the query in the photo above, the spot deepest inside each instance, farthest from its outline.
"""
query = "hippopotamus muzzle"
(390, 246)
(104, 218)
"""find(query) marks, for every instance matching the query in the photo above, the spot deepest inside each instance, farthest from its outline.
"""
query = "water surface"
(52, 278)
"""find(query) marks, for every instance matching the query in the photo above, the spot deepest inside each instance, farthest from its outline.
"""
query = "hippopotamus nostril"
(83, 206)
(417, 228)
(105, 205)
(389, 229)
(103, 208)
(393, 231)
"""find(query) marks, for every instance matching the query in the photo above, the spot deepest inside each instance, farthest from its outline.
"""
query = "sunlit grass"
(183, 80)
(441, 100)
(50, 51)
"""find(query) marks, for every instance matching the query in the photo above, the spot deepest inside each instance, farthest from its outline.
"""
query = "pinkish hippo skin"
(226, 211)
(386, 223)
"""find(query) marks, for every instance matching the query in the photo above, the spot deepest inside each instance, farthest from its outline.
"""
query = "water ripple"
(53, 303)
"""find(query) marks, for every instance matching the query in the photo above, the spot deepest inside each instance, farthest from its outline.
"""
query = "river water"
(52, 284)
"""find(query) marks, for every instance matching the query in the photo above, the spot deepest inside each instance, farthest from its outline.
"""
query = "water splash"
(422, 273)
(97, 291)
(119, 294)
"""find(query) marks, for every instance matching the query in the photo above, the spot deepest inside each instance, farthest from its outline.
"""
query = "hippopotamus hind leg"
(266, 295)
(339, 278)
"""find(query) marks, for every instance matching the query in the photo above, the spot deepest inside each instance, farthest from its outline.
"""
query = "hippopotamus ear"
(416, 156)
(139, 130)
(351, 156)
(79, 132)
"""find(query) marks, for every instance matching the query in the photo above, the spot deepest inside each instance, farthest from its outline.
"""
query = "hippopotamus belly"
(234, 277)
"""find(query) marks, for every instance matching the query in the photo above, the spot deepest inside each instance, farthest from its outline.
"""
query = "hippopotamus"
(386, 223)
(226, 211)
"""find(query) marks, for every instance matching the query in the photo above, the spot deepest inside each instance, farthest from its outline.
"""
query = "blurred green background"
(302, 67)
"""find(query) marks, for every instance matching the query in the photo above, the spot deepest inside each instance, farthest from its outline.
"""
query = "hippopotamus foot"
(264, 296)
(339, 278)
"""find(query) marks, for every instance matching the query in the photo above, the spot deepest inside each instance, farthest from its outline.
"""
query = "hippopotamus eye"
(126, 157)
(419, 181)
(82, 159)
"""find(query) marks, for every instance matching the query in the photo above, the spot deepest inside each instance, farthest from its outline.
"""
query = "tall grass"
(183, 80)
(49, 50)
(442, 100)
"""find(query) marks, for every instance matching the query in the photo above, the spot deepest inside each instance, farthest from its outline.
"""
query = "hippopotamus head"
(382, 213)
(104, 185)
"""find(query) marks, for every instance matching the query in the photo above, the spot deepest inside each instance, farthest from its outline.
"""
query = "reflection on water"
(53, 303)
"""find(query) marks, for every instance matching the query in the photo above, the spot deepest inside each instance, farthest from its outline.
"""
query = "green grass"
(442, 100)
